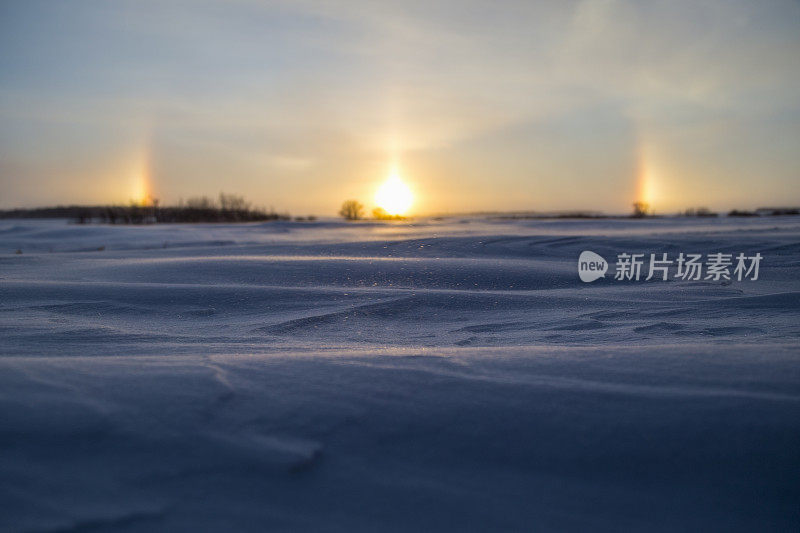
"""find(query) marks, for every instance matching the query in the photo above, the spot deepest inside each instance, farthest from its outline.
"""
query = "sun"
(394, 196)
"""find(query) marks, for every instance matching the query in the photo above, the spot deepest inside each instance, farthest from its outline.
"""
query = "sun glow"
(646, 179)
(140, 194)
(141, 188)
(394, 196)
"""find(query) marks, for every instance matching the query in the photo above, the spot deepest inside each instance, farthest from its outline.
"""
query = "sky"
(476, 106)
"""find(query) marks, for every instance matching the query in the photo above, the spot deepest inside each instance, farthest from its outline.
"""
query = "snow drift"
(443, 375)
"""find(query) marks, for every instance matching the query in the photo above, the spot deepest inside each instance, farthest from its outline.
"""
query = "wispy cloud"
(300, 103)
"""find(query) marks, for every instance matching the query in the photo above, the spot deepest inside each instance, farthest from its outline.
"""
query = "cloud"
(293, 97)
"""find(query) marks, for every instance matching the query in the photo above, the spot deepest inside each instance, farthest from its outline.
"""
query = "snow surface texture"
(444, 375)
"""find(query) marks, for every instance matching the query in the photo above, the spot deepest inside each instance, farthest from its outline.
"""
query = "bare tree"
(351, 210)
(231, 202)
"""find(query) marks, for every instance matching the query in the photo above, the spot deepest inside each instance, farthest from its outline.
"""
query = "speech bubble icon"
(591, 266)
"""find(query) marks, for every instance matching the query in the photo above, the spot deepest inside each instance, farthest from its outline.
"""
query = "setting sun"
(394, 196)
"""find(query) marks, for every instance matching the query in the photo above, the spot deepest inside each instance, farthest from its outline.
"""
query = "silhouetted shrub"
(640, 209)
(699, 212)
(778, 211)
(380, 213)
(738, 213)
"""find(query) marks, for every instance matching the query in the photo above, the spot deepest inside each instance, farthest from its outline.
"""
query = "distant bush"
(778, 211)
(351, 210)
(766, 212)
(380, 213)
(640, 209)
(738, 213)
(699, 212)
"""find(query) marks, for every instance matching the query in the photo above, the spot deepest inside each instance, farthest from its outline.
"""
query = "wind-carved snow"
(447, 374)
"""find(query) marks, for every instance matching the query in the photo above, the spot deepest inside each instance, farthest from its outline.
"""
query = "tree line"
(226, 208)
